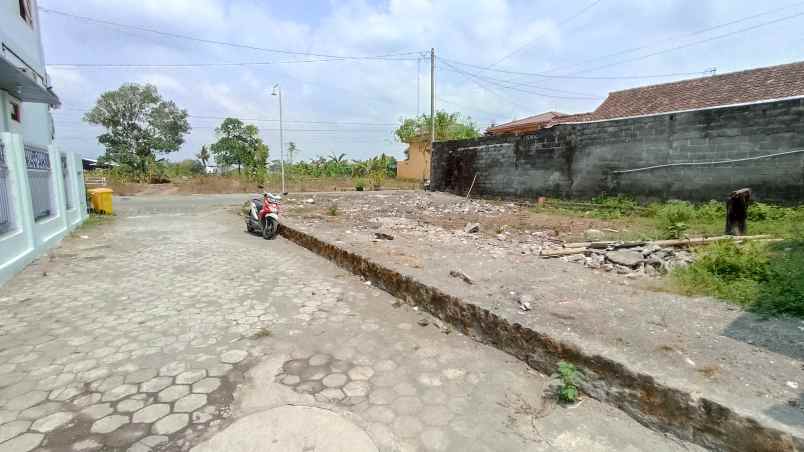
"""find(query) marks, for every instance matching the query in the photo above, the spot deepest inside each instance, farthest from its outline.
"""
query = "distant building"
(417, 165)
(526, 125)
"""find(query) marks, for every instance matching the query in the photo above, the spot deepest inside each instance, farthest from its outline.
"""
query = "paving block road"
(171, 328)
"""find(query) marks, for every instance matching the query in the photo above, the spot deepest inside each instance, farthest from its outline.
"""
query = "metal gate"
(5, 198)
(37, 160)
(66, 177)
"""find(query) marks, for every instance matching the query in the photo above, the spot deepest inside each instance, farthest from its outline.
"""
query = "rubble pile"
(650, 260)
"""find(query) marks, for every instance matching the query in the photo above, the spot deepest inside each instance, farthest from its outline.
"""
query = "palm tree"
(339, 159)
(203, 156)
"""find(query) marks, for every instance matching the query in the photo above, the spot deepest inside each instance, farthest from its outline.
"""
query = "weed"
(332, 210)
(569, 377)
(673, 218)
(263, 332)
(782, 291)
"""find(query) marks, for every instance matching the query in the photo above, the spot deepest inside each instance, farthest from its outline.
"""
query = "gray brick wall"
(580, 160)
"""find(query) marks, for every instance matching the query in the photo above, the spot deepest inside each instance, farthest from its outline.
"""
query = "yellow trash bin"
(101, 199)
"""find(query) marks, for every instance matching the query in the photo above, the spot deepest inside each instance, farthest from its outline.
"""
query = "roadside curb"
(658, 406)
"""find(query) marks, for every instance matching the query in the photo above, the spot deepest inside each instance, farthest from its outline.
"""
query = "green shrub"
(570, 378)
(726, 270)
(360, 184)
(672, 219)
(759, 211)
(783, 289)
(711, 211)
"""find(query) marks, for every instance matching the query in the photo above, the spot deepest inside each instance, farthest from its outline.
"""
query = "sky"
(497, 60)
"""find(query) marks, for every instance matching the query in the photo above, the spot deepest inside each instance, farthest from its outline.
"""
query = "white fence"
(42, 198)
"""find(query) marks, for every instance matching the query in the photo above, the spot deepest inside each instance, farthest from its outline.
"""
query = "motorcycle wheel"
(268, 228)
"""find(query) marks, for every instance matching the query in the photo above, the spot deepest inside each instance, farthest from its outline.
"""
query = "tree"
(139, 125)
(240, 144)
(292, 150)
(203, 155)
(449, 126)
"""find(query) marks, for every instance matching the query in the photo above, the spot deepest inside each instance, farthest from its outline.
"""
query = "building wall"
(581, 160)
(27, 239)
(22, 45)
(417, 166)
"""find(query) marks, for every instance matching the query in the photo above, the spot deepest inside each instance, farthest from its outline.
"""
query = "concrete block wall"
(27, 238)
(582, 160)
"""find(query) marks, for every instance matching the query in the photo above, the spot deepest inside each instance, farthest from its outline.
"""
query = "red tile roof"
(774, 82)
(528, 124)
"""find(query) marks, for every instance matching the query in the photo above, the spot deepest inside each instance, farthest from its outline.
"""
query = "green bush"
(672, 219)
(760, 212)
(783, 289)
(726, 270)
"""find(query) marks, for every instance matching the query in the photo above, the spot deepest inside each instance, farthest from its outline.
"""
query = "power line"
(684, 46)
(213, 41)
(452, 68)
(512, 85)
(528, 44)
(574, 77)
(205, 65)
(79, 110)
(693, 33)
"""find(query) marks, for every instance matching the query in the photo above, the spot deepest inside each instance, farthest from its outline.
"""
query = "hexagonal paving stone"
(41, 410)
(22, 443)
(156, 384)
(190, 376)
(332, 394)
(435, 440)
(382, 396)
(407, 426)
(140, 376)
(98, 411)
(107, 383)
(12, 429)
(119, 392)
(151, 413)
(206, 385)
(87, 400)
(190, 402)
(109, 423)
(172, 369)
(89, 444)
(310, 387)
(130, 405)
(291, 380)
(319, 359)
(219, 370)
(380, 414)
(26, 400)
(172, 393)
(361, 373)
(407, 405)
(233, 356)
(171, 424)
(438, 416)
(335, 380)
(356, 389)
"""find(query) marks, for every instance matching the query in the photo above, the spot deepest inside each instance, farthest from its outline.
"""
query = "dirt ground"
(499, 219)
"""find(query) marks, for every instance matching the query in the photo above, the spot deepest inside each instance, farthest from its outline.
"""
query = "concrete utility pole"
(278, 92)
(432, 99)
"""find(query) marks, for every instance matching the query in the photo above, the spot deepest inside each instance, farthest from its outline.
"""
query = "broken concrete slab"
(626, 258)
(471, 228)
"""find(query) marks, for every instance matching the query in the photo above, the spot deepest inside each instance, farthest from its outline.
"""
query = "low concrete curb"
(658, 406)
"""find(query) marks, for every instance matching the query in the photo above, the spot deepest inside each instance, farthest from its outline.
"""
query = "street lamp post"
(278, 92)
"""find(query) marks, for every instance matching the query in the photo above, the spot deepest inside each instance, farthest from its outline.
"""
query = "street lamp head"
(276, 90)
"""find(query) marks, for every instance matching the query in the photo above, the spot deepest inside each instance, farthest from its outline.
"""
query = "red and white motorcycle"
(263, 215)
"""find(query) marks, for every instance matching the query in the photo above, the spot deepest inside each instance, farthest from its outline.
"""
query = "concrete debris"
(593, 235)
(461, 275)
(423, 322)
(309, 201)
(471, 228)
(651, 260)
(625, 258)
(383, 236)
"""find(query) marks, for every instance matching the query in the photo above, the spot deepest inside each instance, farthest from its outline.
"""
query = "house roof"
(526, 123)
(754, 85)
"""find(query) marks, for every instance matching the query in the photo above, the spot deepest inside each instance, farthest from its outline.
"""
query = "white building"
(41, 187)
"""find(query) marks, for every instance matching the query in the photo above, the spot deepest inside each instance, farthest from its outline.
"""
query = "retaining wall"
(585, 160)
(23, 238)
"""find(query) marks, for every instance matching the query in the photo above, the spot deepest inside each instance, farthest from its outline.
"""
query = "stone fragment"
(471, 228)
(626, 258)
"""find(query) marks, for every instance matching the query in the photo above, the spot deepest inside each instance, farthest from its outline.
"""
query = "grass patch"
(764, 278)
(94, 220)
(675, 219)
